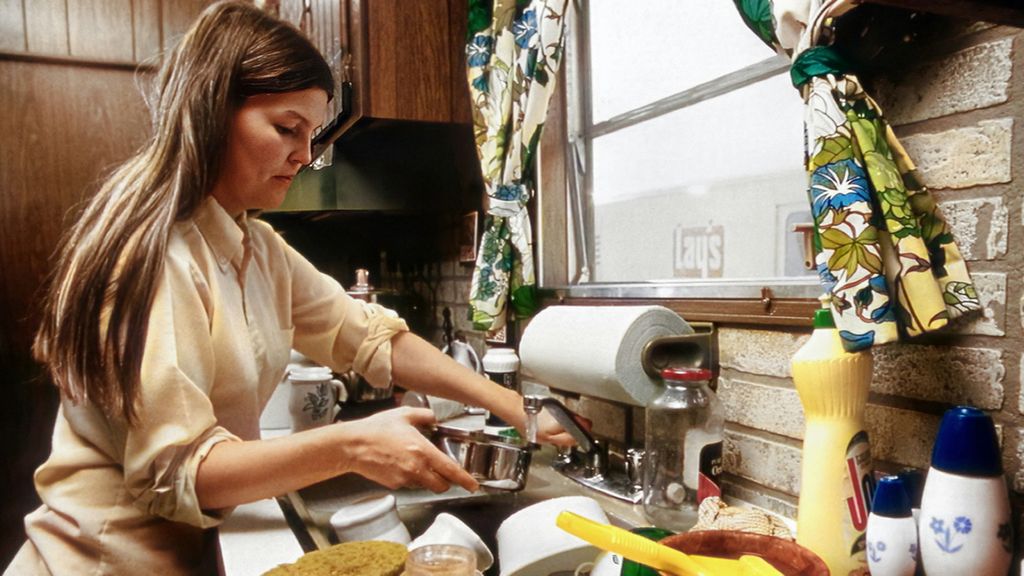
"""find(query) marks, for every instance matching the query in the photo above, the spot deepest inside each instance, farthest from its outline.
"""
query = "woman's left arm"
(419, 366)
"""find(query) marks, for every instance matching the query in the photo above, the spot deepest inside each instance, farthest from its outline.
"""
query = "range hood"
(388, 165)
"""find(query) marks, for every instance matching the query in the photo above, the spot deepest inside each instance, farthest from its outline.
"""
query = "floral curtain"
(513, 54)
(884, 252)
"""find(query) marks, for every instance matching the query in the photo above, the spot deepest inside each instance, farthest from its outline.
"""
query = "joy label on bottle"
(710, 474)
(857, 492)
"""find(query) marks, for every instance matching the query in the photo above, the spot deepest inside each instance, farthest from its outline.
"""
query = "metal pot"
(494, 461)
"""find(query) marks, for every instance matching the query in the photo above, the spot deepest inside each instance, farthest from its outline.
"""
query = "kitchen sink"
(310, 509)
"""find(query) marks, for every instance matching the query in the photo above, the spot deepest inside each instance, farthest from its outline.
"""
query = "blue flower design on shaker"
(525, 28)
(947, 534)
(838, 185)
(875, 550)
(1004, 535)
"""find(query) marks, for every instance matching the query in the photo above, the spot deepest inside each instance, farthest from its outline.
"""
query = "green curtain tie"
(815, 62)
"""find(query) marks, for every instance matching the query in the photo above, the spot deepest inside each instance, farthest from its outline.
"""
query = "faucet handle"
(595, 463)
(634, 468)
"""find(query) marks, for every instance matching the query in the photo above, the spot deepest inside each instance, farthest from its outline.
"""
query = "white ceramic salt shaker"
(965, 523)
(891, 531)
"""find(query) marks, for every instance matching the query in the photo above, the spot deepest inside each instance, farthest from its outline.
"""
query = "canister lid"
(500, 360)
(364, 510)
(309, 373)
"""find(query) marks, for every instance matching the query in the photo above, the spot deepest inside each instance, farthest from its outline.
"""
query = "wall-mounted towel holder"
(696, 350)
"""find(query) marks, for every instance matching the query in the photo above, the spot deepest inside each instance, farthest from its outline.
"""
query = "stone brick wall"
(955, 112)
(955, 108)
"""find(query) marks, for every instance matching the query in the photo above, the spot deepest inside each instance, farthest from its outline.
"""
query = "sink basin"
(482, 511)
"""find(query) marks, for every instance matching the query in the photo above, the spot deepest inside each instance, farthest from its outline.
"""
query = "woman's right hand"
(389, 449)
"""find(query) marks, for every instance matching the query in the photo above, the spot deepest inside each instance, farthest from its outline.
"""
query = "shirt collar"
(225, 235)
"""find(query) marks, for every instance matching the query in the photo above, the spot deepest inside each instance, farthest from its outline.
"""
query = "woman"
(171, 316)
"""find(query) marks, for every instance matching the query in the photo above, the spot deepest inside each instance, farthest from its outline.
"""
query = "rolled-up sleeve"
(176, 425)
(335, 329)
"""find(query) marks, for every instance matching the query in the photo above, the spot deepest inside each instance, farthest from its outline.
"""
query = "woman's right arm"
(386, 448)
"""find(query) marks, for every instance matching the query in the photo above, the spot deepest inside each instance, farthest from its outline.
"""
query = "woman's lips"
(285, 179)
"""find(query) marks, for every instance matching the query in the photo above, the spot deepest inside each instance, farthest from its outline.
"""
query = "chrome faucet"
(590, 466)
(532, 405)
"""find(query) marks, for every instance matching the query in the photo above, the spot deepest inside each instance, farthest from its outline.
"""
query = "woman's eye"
(284, 130)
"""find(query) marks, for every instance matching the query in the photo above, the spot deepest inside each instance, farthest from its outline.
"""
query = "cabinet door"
(407, 59)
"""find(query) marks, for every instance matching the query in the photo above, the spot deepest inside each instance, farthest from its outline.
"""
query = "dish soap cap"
(891, 499)
(966, 444)
(823, 316)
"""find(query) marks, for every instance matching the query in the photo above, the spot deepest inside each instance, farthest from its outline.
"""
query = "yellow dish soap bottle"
(837, 479)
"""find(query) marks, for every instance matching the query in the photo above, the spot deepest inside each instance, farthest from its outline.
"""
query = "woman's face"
(268, 141)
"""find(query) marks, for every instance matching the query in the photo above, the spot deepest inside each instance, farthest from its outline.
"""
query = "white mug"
(313, 398)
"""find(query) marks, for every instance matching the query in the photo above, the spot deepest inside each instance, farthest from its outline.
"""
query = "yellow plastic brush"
(659, 556)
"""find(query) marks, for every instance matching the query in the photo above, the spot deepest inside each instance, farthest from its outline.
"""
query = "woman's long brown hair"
(108, 265)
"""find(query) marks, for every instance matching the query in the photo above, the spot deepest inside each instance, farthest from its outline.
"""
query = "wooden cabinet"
(405, 59)
(412, 60)
(124, 32)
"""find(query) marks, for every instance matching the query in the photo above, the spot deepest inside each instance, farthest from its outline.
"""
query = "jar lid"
(501, 360)
(686, 374)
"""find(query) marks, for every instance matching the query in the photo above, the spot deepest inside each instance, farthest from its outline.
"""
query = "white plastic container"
(891, 532)
(966, 526)
(374, 517)
(501, 365)
(529, 542)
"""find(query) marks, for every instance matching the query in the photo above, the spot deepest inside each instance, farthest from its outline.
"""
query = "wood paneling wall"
(71, 112)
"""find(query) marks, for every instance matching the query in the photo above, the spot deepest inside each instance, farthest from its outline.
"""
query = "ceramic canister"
(965, 512)
(891, 531)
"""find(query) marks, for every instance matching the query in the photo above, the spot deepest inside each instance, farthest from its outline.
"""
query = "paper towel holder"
(684, 350)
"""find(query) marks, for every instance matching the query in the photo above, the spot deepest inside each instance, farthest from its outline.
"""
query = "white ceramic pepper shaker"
(965, 509)
(891, 531)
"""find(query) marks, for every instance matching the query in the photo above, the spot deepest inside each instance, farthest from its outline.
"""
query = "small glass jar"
(683, 460)
(440, 560)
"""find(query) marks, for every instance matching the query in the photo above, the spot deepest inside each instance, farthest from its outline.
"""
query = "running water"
(531, 427)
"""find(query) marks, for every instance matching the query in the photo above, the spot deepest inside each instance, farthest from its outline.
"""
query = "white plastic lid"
(364, 510)
(501, 360)
(309, 373)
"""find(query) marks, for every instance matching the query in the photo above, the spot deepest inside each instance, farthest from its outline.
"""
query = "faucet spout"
(533, 404)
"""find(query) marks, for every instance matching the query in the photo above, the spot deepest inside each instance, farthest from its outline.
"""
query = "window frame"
(768, 301)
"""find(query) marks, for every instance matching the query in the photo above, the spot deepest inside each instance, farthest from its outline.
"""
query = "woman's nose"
(303, 155)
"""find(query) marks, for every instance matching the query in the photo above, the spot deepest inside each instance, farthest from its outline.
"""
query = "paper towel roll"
(595, 350)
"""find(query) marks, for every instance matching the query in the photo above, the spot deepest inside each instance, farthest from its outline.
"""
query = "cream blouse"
(232, 302)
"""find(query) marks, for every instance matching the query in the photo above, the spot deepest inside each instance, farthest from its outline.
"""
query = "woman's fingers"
(419, 416)
(451, 472)
(561, 439)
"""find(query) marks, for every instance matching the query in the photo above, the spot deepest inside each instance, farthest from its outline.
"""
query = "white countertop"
(255, 537)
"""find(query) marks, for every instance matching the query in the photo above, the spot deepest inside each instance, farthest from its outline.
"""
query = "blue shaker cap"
(966, 444)
(913, 483)
(891, 499)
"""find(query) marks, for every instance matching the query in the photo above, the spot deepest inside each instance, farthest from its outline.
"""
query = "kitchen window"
(672, 166)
